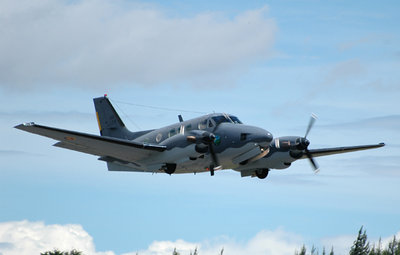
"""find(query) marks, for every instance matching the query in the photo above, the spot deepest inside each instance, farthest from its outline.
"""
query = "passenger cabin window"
(172, 132)
(203, 124)
(158, 137)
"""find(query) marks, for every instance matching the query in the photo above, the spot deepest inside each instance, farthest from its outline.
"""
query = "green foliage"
(376, 250)
(303, 251)
(58, 252)
(175, 252)
(195, 252)
(314, 250)
(393, 248)
(360, 245)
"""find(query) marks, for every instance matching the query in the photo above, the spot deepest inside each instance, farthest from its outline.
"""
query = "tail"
(110, 124)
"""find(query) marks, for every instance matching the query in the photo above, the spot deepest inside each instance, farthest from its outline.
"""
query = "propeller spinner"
(298, 146)
(208, 139)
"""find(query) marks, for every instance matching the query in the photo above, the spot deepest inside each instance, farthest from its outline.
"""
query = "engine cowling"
(295, 145)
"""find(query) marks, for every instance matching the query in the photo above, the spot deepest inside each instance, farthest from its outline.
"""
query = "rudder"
(110, 124)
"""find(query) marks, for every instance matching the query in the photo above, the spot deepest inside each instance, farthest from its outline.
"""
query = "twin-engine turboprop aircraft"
(205, 144)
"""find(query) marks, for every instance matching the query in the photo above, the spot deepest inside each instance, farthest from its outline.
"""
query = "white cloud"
(340, 244)
(166, 248)
(104, 43)
(348, 45)
(24, 237)
(277, 242)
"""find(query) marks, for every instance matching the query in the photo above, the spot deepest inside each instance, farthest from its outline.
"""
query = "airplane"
(208, 143)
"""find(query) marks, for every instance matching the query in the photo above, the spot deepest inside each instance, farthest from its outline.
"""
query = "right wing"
(103, 146)
(339, 150)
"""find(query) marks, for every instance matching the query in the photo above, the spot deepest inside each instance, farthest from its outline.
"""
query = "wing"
(103, 146)
(339, 150)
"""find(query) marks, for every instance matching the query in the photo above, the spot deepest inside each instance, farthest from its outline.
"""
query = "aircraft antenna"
(125, 115)
(159, 108)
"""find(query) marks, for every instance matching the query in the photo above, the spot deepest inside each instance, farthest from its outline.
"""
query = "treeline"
(361, 246)
(58, 252)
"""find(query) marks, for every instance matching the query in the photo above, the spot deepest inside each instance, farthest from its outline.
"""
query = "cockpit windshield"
(235, 119)
(225, 118)
(220, 119)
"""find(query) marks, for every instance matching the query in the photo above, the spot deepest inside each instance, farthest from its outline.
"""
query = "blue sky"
(272, 63)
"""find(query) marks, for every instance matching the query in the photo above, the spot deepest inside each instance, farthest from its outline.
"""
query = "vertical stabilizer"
(110, 124)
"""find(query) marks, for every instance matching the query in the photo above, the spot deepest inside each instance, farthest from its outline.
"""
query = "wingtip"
(382, 144)
(25, 124)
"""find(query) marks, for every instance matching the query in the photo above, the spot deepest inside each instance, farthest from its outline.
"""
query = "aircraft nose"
(266, 139)
(262, 137)
(269, 137)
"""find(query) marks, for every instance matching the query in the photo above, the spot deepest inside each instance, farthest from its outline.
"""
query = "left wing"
(339, 150)
(103, 146)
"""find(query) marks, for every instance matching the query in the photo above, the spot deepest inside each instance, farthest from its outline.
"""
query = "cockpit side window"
(235, 119)
(202, 124)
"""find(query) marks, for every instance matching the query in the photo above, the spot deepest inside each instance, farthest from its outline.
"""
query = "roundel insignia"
(69, 138)
(217, 140)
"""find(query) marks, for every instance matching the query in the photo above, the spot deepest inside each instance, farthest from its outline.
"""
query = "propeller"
(304, 144)
(310, 124)
(208, 139)
(215, 164)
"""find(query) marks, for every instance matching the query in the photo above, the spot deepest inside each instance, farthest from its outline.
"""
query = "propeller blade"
(215, 164)
(310, 124)
(213, 155)
(206, 138)
(313, 162)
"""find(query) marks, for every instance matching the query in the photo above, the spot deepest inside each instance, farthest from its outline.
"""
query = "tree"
(360, 246)
(58, 252)
(376, 250)
(303, 251)
(393, 248)
(195, 252)
(324, 251)
(314, 250)
(175, 252)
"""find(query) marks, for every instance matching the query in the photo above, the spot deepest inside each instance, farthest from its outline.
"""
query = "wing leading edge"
(103, 146)
(339, 150)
